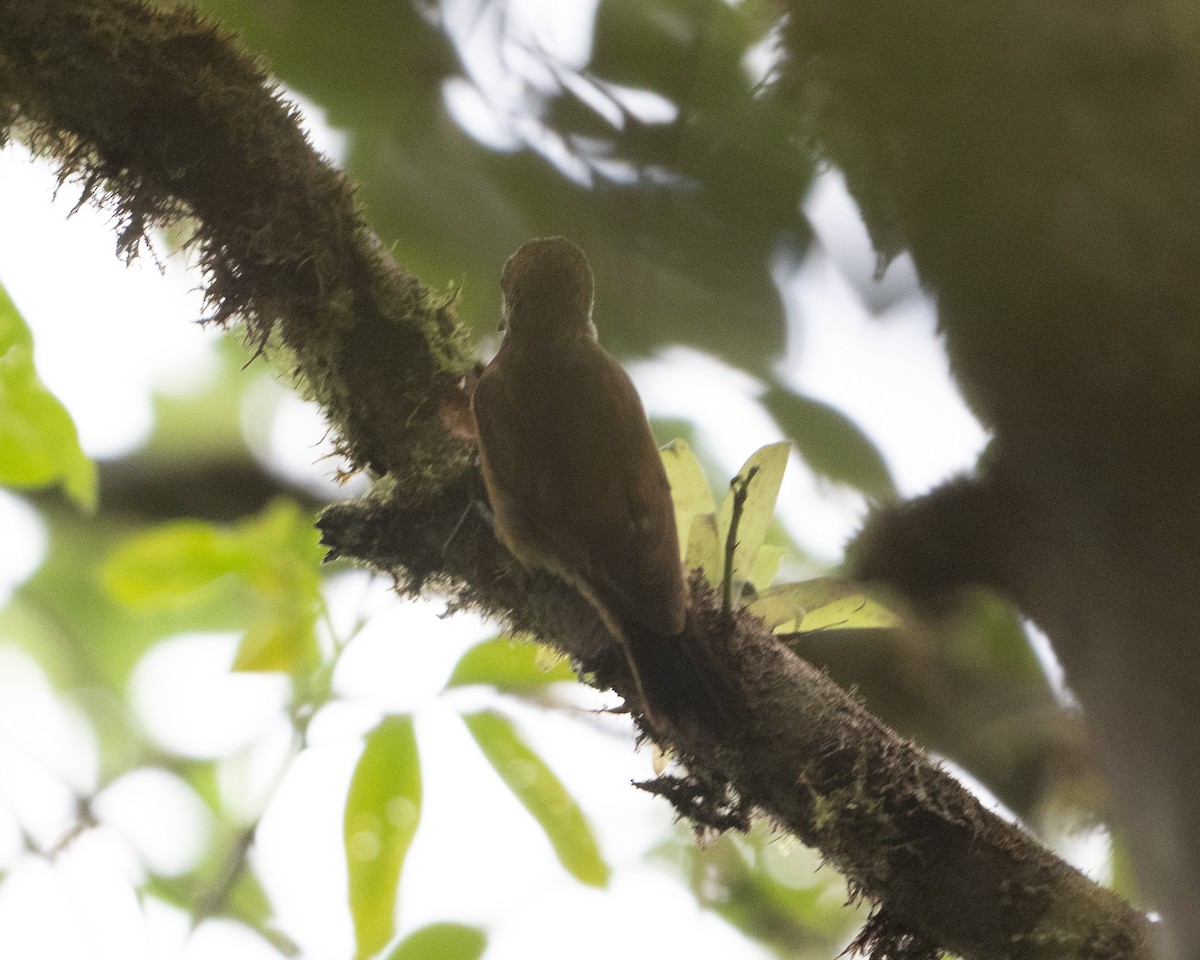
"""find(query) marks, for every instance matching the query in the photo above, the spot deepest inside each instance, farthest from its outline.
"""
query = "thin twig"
(741, 489)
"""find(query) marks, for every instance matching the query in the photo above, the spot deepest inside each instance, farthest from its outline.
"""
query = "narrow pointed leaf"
(831, 443)
(690, 491)
(849, 612)
(542, 794)
(383, 808)
(786, 605)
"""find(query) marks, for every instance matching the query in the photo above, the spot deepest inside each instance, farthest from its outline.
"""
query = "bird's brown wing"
(636, 566)
(577, 484)
(513, 456)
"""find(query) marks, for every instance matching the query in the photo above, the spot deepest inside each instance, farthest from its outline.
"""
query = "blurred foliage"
(774, 893)
(441, 941)
(658, 149)
(383, 808)
(683, 214)
(275, 556)
(38, 442)
(831, 443)
(542, 794)
(661, 152)
(509, 664)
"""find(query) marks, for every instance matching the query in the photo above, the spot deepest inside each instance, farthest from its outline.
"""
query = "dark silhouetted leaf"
(831, 443)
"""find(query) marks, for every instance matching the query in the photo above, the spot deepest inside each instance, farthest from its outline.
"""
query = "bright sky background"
(107, 338)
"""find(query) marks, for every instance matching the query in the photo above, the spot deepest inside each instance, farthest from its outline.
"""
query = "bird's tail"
(680, 681)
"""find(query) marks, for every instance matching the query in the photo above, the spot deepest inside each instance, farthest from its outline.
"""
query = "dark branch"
(791, 744)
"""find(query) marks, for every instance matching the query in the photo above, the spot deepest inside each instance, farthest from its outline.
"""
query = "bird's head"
(548, 288)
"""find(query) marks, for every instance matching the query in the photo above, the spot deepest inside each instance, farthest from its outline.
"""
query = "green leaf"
(275, 555)
(831, 443)
(757, 513)
(779, 903)
(690, 492)
(167, 566)
(787, 604)
(857, 611)
(281, 641)
(441, 941)
(286, 535)
(383, 808)
(1121, 866)
(248, 901)
(766, 566)
(996, 637)
(38, 440)
(284, 575)
(542, 794)
(508, 664)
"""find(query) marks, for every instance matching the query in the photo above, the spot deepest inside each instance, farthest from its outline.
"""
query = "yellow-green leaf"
(766, 566)
(757, 512)
(277, 643)
(786, 605)
(855, 611)
(441, 941)
(690, 492)
(383, 808)
(703, 552)
(38, 440)
(542, 794)
(508, 664)
(283, 530)
(168, 565)
(284, 559)
(275, 555)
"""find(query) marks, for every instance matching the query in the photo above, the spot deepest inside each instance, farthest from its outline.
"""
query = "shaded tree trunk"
(1039, 160)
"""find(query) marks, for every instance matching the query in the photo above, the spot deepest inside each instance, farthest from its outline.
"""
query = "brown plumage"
(573, 475)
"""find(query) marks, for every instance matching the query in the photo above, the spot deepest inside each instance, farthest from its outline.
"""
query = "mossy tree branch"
(161, 117)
